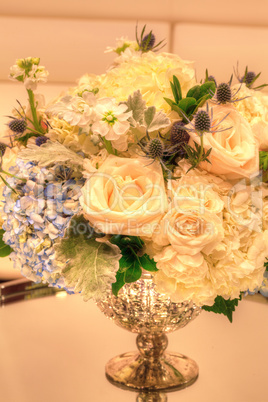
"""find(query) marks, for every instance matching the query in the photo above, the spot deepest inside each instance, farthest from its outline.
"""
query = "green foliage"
(91, 263)
(263, 160)
(143, 116)
(222, 306)
(5, 250)
(196, 155)
(24, 138)
(131, 263)
(264, 165)
(195, 98)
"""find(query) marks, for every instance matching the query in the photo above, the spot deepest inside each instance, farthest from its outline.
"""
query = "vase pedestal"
(152, 369)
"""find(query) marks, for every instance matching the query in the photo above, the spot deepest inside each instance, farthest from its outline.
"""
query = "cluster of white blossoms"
(100, 116)
(29, 72)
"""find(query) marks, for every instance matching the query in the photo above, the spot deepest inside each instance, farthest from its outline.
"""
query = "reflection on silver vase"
(139, 308)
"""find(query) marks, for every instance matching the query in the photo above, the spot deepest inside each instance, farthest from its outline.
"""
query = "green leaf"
(148, 263)
(120, 281)
(122, 241)
(126, 261)
(208, 88)
(5, 250)
(222, 306)
(133, 274)
(24, 138)
(263, 160)
(194, 92)
(177, 86)
(175, 95)
(186, 103)
(91, 263)
(169, 101)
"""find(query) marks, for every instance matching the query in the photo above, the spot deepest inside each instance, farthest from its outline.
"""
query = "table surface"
(55, 349)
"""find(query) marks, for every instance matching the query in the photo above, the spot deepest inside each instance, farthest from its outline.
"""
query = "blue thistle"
(224, 93)
(41, 140)
(18, 126)
(2, 148)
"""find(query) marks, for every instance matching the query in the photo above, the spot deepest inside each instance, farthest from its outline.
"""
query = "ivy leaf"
(91, 263)
(148, 263)
(222, 306)
(5, 250)
(120, 281)
(133, 274)
(130, 264)
(123, 241)
(155, 120)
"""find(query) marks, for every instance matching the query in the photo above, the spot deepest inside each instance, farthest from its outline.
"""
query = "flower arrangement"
(140, 168)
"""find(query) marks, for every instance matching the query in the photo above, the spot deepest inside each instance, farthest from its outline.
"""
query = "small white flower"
(111, 119)
(37, 74)
(28, 71)
(75, 110)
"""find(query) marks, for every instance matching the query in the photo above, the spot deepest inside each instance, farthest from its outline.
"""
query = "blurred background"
(70, 37)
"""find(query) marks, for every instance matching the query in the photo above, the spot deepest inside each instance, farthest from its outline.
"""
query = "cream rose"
(234, 151)
(184, 277)
(189, 231)
(186, 192)
(125, 196)
(254, 108)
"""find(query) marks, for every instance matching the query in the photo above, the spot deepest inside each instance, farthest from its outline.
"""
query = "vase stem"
(152, 346)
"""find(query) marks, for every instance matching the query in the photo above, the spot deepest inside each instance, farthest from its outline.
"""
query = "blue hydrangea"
(264, 288)
(37, 214)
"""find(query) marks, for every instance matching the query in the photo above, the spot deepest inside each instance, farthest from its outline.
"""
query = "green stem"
(108, 146)
(33, 110)
(201, 151)
(12, 175)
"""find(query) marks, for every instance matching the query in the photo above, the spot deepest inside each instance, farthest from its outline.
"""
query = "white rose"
(254, 108)
(189, 231)
(234, 151)
(185, 191)
(126, 196)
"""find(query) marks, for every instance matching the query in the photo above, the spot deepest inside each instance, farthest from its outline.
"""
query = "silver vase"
(139, 308)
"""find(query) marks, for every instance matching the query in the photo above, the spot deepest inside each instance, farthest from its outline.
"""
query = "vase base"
(173, 371)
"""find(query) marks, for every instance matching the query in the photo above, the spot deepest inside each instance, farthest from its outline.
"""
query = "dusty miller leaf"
(91, 263)
(49, 153)
(155, 120)
(137, 105)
